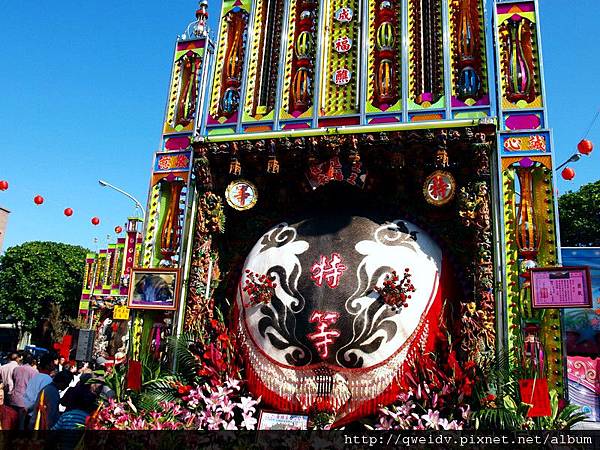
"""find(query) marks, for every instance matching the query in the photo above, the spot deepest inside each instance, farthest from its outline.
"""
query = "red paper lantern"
(3, 185)
(68, 212)
(568, 173)
(95, 221)
(585, 147)
(118, 230)
(38, 199)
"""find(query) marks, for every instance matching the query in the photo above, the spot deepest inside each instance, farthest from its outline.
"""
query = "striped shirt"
(71, 420)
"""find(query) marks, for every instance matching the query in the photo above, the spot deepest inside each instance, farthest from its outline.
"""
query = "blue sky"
(84, 86)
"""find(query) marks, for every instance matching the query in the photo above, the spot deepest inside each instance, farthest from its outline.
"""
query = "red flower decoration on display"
(38, 199)
(395, 291)
(488, 401)
(260, 288)
(182, 389)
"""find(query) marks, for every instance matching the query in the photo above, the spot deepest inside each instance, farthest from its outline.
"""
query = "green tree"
(579, 214)
(36, 275)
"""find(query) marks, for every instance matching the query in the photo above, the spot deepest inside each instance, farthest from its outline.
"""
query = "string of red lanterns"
(584, 147)
(39, 200)
(68, 212)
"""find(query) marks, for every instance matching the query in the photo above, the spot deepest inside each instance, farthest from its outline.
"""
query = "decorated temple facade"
(350, 184)
(103, 304)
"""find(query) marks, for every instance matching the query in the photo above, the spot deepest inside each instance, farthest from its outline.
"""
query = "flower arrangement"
(395, 291)
(502, 407)
(203, 393)
(206, 407)
(260, 288)
(210, 356)
(430, 398)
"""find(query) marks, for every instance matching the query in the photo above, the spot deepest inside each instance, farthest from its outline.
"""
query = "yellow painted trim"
(343, 130)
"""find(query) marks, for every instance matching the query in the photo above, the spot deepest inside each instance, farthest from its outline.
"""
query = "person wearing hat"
(101, 361)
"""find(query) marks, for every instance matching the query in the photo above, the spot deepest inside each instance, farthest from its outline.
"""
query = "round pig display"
(326, 338)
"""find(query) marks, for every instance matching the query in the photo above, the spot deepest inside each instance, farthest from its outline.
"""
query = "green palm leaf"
(157, 391)
(187, 362)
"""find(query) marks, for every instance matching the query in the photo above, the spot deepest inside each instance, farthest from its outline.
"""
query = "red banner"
(535, 392)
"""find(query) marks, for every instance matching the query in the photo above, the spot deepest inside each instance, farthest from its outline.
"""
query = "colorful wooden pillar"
(528, 190)
(172, 193)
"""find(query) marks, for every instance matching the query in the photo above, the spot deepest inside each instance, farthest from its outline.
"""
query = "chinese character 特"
(328, 270)
(323, 337)
(438, 188)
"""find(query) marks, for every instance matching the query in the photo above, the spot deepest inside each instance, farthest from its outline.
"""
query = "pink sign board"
(561, 287)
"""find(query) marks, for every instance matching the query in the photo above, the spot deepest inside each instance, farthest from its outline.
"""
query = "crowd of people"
(46, 394)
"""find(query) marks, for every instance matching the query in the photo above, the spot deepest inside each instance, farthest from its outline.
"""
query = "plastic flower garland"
(260, 288)
(395, 291)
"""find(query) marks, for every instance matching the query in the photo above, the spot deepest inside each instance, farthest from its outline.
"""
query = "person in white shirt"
(6, 372)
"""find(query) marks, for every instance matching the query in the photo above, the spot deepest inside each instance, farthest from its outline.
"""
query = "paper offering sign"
(561, 287)
(281, 421)
(121, 312)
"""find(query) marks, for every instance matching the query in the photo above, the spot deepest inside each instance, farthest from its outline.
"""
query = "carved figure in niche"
(518, 60)
(237, 21)
(188, 90)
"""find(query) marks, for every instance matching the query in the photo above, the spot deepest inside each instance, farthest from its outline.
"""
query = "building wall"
(3, 223)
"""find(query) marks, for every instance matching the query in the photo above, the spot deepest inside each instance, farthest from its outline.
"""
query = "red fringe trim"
(267, 396)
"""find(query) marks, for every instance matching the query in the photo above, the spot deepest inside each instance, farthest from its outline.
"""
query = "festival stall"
(103, 305)
(582, 329)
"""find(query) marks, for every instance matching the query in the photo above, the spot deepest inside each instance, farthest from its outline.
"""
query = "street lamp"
(127, 194)
(574, 158)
